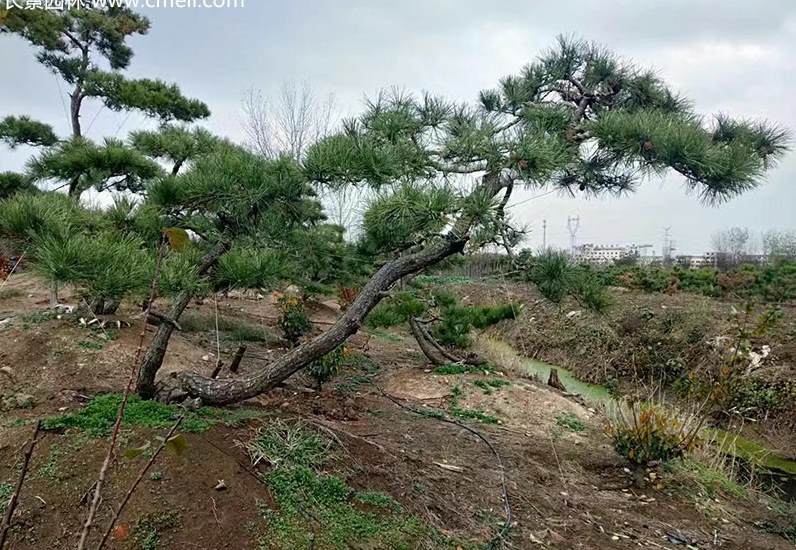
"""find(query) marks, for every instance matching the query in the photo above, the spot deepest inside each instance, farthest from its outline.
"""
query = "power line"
(532, 198)
(102, 107)
(63, 102)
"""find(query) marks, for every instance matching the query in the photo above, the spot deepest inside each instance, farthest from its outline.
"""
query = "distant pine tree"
(75, 44)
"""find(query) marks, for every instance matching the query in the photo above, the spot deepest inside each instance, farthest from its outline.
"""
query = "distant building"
(594, 254)
(717, 260)
(695, 261)
(608, 254)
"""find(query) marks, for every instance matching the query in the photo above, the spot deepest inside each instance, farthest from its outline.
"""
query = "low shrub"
(774, 282)
(647, 432)
(457, 322)
(557, 276)
(293, 319)
(461, 368)
(570, 421)
(327, 367)
(395, 310)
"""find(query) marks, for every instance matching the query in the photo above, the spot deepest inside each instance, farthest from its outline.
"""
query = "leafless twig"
(109, 455)
(137, 481)
(499, 538)
(12, 503)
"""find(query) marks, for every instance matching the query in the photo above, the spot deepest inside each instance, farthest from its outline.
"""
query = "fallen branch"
(137, 481)
(449, 467)
(428, 350)
(12, 503)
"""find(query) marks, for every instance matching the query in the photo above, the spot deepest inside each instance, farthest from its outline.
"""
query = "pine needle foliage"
(87, 48)
(580, 119)
(399, 219)
(557, 277)
(105, 266)
(81, 164)
(174, 144)
(12, 183)
(22, 130)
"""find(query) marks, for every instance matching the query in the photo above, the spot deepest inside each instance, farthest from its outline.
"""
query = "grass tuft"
(235, 329)
(9, 293)
(491, 384)
(342, 517)
(279, 443)
(98, 416)
(570, 422)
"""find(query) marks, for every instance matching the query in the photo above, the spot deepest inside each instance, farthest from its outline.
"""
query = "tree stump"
(554, 381)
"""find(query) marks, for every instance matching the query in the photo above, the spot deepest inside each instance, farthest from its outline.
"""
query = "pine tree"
(578, 119)
(76, 44)
(248, 213)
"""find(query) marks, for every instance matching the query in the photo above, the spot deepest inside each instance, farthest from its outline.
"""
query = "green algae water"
(596, 394)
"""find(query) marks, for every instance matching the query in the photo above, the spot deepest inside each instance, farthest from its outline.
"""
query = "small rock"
(192, 404)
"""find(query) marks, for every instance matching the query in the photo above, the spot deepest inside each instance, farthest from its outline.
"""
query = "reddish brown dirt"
(566, 490)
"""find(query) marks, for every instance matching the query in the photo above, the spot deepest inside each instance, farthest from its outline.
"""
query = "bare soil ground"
(566, 488)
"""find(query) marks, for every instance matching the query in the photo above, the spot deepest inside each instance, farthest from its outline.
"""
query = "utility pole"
(544, 235)
(573, 224)
(668, 245)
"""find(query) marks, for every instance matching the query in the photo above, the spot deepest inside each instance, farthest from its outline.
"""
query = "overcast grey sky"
(733, 56)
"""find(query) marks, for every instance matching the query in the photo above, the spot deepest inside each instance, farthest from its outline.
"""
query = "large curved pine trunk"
(222, 392)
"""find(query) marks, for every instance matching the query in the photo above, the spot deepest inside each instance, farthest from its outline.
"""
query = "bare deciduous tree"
(288, 125)
(733, 245)
(779, 244)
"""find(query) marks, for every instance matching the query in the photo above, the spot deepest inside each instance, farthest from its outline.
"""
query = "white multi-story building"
(696, 262)
(607, 254)
(594, 254)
